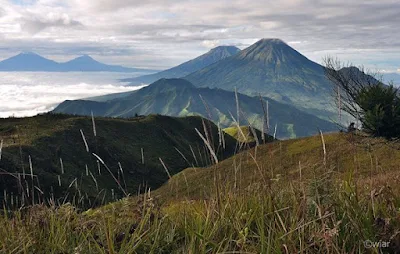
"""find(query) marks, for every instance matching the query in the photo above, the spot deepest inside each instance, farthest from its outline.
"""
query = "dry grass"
(282, 197)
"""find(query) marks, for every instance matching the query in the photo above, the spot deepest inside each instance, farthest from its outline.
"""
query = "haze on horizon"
(162, 33)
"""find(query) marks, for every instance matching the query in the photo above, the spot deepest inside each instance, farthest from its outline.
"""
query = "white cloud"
(26, 94)
(211, 44)
(34, 24)
(163, 33)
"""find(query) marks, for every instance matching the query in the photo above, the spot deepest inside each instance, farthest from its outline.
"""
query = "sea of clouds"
(30, 93)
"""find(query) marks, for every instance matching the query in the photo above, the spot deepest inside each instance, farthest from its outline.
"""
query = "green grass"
(281, 197)
(49, 139)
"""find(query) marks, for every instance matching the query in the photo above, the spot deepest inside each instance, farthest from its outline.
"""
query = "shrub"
(365, 98)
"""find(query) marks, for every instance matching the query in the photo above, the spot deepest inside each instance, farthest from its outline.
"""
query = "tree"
(366, 98)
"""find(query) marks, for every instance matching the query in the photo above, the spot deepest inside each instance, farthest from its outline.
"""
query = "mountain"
(274, 69)
(33, 62)
(214, 55)
(178, 97)
(28, 61)
(87, 63)
(45, 141)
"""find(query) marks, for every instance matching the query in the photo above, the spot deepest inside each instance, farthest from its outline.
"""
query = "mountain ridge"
(47, 140)
(212, 56)
(178, 97)
(30, 61)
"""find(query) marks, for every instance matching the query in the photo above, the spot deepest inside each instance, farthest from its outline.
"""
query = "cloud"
(113, 5)
(33, 24)
(32, 93)
(168, 32)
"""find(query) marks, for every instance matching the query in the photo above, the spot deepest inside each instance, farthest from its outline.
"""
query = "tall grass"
(312, 208)
(318, 215)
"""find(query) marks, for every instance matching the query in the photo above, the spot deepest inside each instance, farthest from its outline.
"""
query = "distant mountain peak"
(271, 41)
(28, 53)
(219, 48)
(84, 57)
(223, 50)
(273, 51)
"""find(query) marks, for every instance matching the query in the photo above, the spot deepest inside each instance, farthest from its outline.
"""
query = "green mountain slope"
(274, 69)
(178, 97)
(44, 141)
(214, 55)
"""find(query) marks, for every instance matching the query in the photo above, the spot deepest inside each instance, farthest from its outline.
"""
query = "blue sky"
(163, 33)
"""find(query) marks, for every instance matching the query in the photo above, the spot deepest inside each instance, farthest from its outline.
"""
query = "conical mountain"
(87, 63)
(271, 51)
(212, 56)
(27, 61)
(178, 97)
(274, 69)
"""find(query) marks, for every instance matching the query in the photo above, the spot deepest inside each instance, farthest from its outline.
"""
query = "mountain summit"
(28, 61)
(272, 68)
(273, 51)
(219, 53)
(212, 56)
(87, 63)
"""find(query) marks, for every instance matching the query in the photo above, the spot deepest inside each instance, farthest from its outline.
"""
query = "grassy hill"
(284, 197)
(369, 162)
(247, 134)
(178, 97)
(48, 153)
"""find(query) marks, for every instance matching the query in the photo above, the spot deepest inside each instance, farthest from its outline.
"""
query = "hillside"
(285, 191)
(247, 134)
(283, 197)
(29, 61)
(274, 69)
(214, 55)
(178, 97)
(52, 146)
(369, 162)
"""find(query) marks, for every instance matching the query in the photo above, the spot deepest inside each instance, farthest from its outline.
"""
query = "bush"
(380, 110)
(365, 98)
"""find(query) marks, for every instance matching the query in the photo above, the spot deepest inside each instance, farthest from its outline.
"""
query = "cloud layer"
(27, 94)
(162, 33)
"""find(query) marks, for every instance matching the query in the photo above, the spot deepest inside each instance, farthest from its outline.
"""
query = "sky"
(159, 34)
